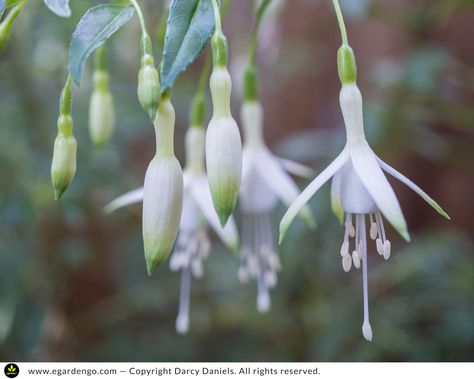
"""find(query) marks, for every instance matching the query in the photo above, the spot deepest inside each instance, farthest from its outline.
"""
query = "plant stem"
(256, 28)
(140, 15)
(204, 77)
(340, 20)
(217, 16)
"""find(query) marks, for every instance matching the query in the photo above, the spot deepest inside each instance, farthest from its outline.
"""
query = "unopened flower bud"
(162, 203)
(63, 166)
(149, 91)
(223, 147)
(101, 110)
(163, 192)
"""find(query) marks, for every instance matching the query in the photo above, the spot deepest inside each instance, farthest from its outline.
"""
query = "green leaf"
(94, 28)
(189, 27)
(59, 7)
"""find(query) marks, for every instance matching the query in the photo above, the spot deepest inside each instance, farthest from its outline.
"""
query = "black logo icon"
(11, 370)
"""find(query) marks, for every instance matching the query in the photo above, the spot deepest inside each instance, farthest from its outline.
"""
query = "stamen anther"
(347, 263)
(379, 244)
(356, 259)
(345, 249)
(387, 248)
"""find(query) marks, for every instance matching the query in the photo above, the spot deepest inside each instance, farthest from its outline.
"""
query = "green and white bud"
(149, 90)
(101, 110)
(163, 192)
(223, 147)
(63, 167)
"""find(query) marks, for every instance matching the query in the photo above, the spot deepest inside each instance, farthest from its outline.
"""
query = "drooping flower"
(193, 244)
(359, 187)
(223, 143)
(264, 182)
(163, 191)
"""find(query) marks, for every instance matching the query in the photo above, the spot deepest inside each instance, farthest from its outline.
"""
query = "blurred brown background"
(73, 284)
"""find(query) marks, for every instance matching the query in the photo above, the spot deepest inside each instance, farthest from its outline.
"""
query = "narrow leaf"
(189, 27)
(59, 7)
(94, 28)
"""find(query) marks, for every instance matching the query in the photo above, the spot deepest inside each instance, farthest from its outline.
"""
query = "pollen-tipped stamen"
(366, 328)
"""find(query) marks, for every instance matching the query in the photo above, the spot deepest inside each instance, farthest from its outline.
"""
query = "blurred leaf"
(190, 25)
(94, 28)
(59, 7)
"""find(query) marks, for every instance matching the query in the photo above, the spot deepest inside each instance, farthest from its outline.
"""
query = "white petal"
(365, 164)
(308, 193)
(336, 204)
(256, 196)
(413, 186)
(296, 168)
(202, 196)
(132, 197)
(280, 182)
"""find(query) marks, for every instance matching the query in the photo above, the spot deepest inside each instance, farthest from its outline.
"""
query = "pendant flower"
(359, 188)
(193, 244)
(264, 181)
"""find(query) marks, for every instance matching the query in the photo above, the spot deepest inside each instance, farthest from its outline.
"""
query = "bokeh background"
(73, 284)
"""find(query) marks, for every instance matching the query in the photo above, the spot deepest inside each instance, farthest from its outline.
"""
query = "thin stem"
(140, 15)
(256, 28)
(340, 20)
(203, 78)
(217, 16)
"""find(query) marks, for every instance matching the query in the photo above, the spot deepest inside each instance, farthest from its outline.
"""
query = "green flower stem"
(340, 20)
(250, 75)
(140, 16)
(346, 62)
(217, 16)
(197, 111)
(100, 59)
(256, 29)
(65, 101)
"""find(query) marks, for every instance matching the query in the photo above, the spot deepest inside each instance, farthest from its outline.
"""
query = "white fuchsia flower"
(223, 143)
(264, 182)
(193, 244)
(163, 192)
(359, 188)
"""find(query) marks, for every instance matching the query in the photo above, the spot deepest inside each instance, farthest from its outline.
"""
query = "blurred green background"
(73, 283)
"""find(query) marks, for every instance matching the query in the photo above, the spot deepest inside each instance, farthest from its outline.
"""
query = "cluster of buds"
(223, 143)
(163, 191)
(101, 109)
(149, 91)
(63, 166)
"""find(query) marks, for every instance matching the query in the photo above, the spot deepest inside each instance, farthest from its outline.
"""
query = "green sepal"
(220, 50)
(346, 64)
(250, 84)
(197, 112)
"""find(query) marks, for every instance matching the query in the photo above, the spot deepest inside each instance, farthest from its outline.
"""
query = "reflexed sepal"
(63, 166)
(162, 205)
